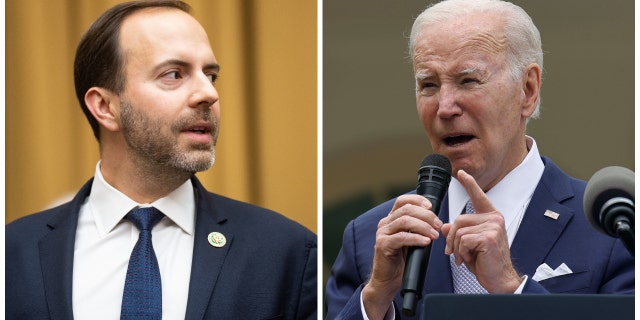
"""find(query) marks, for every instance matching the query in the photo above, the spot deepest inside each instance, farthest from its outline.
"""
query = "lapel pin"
(551, 214)
(217, 239)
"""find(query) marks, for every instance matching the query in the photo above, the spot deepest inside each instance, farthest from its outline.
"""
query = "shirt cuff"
(390, 315)
(520, 288)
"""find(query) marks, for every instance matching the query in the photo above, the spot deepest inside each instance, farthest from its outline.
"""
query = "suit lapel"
(56, 260)
(56, 256)
(57, 248)
(207, 260)
(539, 229)
(535, 238)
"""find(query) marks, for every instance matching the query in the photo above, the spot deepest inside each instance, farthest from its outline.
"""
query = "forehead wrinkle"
(488, 42)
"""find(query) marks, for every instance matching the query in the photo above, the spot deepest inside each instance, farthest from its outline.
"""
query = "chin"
(462, 165)
(195, 161)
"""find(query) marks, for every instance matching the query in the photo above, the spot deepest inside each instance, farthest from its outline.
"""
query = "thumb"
(445, 229)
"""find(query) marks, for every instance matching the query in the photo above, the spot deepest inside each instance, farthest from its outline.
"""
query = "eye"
(212, 77)
(427, 84)
(172, 75)
(428, 87)
(468, 80)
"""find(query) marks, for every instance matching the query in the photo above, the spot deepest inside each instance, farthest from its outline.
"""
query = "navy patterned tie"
(463, 280)
(142, 297)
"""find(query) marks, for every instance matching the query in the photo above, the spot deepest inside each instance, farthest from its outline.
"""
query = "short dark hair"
(99, 61)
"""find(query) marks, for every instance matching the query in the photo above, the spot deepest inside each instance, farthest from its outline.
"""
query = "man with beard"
(143, 239)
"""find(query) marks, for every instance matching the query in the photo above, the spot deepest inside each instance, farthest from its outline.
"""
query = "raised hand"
(480, 241)
(410, 223)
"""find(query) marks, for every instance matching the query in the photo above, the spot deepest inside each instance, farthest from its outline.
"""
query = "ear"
(531, 83)
(104, 105)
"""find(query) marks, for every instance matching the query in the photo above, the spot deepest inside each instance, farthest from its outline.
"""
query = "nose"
(448, 106)
(204, 92)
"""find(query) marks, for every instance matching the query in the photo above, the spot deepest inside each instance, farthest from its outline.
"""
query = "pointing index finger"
(479, 199)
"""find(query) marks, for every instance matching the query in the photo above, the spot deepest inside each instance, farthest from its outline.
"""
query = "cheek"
(426, 111)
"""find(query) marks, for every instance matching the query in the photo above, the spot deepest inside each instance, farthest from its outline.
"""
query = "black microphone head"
(437, 160)
(606, 184)
(434, 176)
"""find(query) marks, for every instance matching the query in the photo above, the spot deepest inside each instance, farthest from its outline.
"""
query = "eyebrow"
(469, 70)
(426, 75)
(423, 75)
(176, 62)
(212, 66)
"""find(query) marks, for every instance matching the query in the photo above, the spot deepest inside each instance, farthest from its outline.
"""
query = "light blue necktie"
(463, 280)
(142, 297)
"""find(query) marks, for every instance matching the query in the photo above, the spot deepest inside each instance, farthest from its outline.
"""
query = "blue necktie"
(464, 281)
(142, 297)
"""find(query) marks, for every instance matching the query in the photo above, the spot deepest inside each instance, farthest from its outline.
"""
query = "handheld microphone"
(609, 203)
(434, 176)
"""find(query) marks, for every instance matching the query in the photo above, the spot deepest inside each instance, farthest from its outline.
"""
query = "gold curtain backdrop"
(267, 151)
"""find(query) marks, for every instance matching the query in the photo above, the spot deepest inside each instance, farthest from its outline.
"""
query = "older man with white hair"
(478, 67)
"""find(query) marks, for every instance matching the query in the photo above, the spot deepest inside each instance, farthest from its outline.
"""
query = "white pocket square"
(545, 272)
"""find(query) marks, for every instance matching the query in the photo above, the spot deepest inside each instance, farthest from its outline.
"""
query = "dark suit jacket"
(267, 269)
(600, 264)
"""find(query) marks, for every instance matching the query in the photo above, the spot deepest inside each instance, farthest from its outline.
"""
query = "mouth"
(198, 129)
(200, 134)
(457, 139)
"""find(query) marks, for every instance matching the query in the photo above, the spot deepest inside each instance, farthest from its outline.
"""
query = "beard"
(149, 142)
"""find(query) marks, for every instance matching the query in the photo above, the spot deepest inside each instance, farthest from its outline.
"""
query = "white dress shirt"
(510, 197)
(104, 241)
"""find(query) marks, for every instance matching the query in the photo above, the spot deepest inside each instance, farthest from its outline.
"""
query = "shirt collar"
(513, 191)
(109, 206)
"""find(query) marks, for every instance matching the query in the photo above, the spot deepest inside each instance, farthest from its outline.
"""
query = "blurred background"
(267, 151)
(373, 141)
